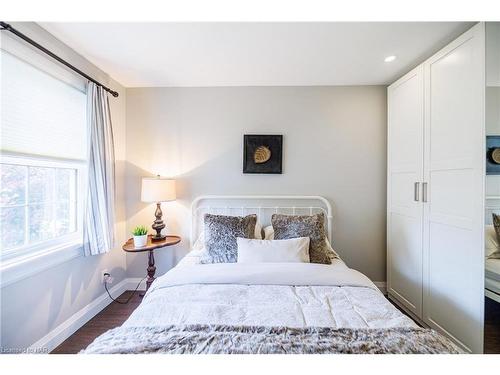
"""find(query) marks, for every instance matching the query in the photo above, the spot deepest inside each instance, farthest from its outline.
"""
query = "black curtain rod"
(6, 26)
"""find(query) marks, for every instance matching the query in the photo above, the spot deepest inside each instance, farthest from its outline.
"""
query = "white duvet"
(266, 294)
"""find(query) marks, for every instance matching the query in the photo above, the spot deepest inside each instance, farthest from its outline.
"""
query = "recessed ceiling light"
(390, 58)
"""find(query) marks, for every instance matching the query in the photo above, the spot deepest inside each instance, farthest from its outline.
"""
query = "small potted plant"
(140, 236)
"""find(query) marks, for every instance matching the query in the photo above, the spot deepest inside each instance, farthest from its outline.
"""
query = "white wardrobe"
(435, 205)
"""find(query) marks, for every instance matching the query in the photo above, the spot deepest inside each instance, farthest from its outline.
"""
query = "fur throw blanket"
(222, 339)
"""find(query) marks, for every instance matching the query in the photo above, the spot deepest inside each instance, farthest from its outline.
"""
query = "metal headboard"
(264, 206)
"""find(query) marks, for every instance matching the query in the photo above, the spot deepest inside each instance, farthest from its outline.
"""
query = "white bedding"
(492, 269)
(268, 294)
(492, 279)
(492, 265)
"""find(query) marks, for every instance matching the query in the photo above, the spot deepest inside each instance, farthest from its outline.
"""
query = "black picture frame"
(272, 143)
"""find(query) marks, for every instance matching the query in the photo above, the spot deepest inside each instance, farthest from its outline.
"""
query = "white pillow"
(200, 241)
(258, 231)
(269, 235)
(295, 250)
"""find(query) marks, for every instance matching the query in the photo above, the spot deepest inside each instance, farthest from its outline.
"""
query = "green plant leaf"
(140, 231)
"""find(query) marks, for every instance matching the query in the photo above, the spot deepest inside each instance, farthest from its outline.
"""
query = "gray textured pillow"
(496, 224)
(220, 236)
(313, 226)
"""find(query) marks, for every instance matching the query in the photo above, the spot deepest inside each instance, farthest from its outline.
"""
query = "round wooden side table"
(151, 246)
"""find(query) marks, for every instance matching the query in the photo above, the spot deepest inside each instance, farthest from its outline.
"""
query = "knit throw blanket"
(222, 339)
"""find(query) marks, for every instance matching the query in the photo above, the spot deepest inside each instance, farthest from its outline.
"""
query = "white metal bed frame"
(261, 205)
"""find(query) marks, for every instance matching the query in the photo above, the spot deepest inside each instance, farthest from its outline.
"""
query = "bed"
(235, 308)
(492, 280)
(492, 265)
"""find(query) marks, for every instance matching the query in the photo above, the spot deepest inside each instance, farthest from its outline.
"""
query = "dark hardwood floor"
(112, 316)
(491, 327)
(115, 314)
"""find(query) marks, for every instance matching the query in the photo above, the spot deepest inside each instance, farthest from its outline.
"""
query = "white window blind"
(43, 144)
(40, 114)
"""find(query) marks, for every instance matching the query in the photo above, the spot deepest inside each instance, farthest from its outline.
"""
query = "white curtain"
(98, 227)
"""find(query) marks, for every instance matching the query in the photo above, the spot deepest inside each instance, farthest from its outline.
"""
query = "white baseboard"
(55, 337)
(133, 281)
(382, 285)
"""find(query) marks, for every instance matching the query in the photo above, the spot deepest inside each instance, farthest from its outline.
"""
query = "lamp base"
(158, 224)
(158, 238)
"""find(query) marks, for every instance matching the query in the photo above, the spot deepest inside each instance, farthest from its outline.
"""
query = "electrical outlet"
(103, 277)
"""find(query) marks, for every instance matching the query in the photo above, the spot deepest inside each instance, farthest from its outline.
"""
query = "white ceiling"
(255, 54)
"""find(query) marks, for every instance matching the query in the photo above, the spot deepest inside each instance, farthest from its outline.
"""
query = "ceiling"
(255, 54)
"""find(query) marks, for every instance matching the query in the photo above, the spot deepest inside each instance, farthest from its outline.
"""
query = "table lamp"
(157, 189)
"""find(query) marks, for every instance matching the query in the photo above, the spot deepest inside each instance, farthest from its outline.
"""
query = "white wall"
(492, 113)
(334, 146)
(33, 307)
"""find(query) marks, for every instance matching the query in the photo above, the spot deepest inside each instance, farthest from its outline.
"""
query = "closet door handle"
(424, 192)
(416, 191)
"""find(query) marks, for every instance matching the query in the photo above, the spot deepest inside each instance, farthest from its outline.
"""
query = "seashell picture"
(262, 153)
(493, 154)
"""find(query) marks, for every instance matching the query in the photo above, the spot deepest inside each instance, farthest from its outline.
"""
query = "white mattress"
(268, 294)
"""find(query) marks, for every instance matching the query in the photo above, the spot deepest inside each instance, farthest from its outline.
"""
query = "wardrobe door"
(454, 193)
(404, 206)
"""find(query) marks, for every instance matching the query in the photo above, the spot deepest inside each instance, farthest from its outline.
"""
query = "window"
(39, 205)
(43, 159)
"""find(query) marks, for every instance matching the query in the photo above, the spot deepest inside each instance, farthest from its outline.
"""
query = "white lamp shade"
(155, 189)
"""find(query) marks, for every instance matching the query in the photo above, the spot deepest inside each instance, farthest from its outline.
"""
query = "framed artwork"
(493, 154)
(262, 153)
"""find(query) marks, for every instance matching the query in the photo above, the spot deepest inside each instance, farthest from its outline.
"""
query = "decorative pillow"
(294, 250)
(490, 241)
(268, 233)
(332, 254)
(313, 226)
(496, 223)
(220, 236)
(199, 244)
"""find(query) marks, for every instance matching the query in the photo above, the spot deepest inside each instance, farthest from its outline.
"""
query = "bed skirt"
(222, 339)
